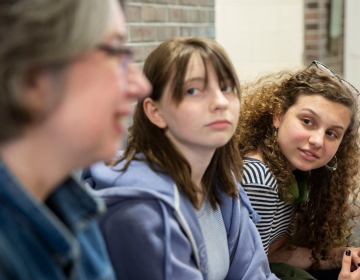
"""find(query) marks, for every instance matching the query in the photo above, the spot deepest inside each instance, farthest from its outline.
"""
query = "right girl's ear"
(153, 112)
(277, 119)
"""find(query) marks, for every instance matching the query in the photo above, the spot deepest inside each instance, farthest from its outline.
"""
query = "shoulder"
(137, 175)
(12, 253)
(257, 173)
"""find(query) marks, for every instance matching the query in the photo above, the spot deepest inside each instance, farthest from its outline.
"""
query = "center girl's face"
(311, 131)
(207, 116)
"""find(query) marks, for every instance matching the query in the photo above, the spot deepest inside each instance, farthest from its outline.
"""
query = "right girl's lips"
(309, 155)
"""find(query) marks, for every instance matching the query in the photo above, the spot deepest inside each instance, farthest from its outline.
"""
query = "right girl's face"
(311, 131)
(207, 116)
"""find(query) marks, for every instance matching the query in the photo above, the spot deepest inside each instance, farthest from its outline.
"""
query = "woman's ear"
(277, 119)
(36, 91)
(153, 113)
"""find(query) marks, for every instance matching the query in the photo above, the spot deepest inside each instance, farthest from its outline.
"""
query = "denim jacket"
(58, 239)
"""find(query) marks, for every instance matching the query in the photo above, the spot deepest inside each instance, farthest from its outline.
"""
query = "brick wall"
(151, 22)
(318, 43)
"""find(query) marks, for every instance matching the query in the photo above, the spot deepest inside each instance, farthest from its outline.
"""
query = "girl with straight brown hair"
(174, 210)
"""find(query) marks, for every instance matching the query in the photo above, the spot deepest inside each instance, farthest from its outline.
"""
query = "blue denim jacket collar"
(76, 210)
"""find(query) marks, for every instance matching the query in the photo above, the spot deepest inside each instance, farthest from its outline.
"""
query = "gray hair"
(37, 34)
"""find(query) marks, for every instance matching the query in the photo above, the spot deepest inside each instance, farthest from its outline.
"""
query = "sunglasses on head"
(328, 71)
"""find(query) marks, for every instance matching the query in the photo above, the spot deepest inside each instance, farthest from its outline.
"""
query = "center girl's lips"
(219, 125)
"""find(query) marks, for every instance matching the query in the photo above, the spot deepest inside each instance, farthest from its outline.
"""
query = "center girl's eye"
(227, 89)
(193, 91)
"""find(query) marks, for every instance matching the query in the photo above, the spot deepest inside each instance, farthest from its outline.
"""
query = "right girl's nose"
(316, 139)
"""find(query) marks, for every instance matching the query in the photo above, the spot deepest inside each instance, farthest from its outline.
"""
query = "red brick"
(142, 33)
(152, 14)
(206, 31)
(207, 3)
(211, 16)
(186, 15)
(313, 15)
(175, 15)
(312, 47)
(133, 13)
(194, 16)
(148, 50)
(167, 1)
(203, 16)
(149, 34)
(310, 37)
(149, 1)
(135, 33)
(188, 2)
(312, 26)
(312, 5)
(167, 32)
(138, 53)
(188, 31)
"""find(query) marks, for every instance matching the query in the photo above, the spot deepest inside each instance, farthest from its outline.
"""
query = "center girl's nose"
(218, 99)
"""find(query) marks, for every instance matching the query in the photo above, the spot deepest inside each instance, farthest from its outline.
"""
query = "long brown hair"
(168, 64)
(322, 223)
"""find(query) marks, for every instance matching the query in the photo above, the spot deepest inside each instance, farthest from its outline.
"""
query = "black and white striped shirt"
(262, 189)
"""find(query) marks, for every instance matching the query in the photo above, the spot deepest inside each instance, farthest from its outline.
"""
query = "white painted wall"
(352, 42)
(261, 36)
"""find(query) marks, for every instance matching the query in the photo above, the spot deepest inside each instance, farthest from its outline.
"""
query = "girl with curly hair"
(299, 136)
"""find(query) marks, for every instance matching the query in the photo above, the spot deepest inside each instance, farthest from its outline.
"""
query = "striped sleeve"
(261, 187)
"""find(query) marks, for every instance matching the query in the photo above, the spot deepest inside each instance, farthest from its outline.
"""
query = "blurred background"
(261, 36)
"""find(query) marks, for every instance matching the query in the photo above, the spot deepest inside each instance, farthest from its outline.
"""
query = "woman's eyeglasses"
(328, 71)
(125, 54)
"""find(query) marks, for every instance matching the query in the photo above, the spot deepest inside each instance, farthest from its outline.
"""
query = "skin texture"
(346, 272)
(204, 120)
(87, 125)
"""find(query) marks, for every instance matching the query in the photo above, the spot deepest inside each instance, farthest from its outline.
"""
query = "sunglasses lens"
(325, 69)
(349, 86)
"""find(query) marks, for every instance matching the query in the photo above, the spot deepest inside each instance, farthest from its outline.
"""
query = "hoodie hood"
(105, 180)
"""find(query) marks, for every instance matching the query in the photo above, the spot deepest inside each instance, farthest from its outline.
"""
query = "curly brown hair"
(323, 221)
(168, 64)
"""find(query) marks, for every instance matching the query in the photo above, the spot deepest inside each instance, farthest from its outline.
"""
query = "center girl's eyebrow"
(195, 79)
(314, 113)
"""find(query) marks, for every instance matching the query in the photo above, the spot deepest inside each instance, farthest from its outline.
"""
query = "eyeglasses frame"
(125, 53)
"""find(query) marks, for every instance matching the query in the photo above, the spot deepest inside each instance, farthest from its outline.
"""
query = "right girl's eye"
(307, 121)
(193, 91)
